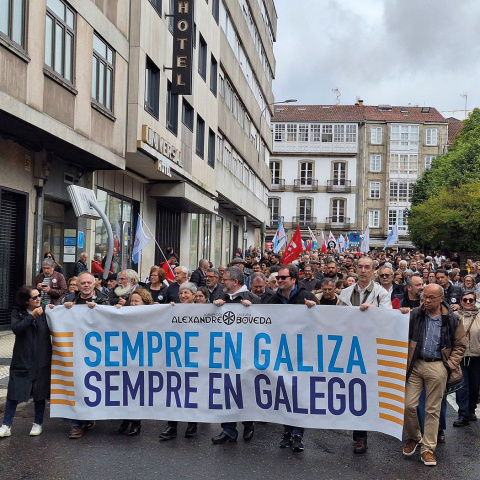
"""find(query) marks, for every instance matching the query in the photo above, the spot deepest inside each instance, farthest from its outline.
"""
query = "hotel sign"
(183, 31)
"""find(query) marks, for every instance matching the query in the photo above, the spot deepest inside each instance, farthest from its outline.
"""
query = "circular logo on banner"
(228, 318)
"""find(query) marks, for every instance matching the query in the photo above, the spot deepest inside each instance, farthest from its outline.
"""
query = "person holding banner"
(186, 294)
(364, 294)
(31, 359)
(292, 292)
(235, 292)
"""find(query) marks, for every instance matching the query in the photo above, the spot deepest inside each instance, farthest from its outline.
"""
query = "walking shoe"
(287, 440)
(168, 434)
(76, 432)
(297, 444)
(223, 438)
(441, 436)
(472, 417)
(36, 430)
(191, 430)
(410, 446)
(360, 446)
(89, 425)
(461, 422)
(5, 431)
(429, 459)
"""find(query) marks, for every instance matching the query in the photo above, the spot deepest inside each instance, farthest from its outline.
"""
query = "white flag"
(392, 238)
(141, 240)
(365, 246)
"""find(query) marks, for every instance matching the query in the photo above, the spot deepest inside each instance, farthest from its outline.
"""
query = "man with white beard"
(127, 283)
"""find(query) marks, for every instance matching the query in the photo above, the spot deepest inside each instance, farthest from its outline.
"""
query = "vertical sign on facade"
(183, 31)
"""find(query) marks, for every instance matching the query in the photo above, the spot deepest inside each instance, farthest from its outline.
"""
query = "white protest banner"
(326, 367)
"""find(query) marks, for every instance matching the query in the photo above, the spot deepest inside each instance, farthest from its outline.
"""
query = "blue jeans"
(467, 396)
(11, 408)
(442, 425)
(230, 428)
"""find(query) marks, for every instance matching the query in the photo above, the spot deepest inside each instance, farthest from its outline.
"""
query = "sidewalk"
(7, 339)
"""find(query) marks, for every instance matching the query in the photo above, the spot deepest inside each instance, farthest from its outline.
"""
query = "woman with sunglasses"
(31, 360)
(467, 396)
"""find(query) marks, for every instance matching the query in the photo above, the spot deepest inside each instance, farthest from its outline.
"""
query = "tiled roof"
(454, 127)
(355, 113)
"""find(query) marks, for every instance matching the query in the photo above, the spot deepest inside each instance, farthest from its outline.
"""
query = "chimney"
(360, 103)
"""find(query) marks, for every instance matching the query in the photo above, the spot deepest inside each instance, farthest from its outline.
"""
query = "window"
(275, 173)
(350, 133)
(211, 147)
(306, 173)
(102, 72)
(403, 164)
(279, 132)
(187, 115)
(374, 189)
(431, 136)
(339, 133)
(157, 5)
(202, 58)
(152, 87)
(172, 109)
(200, 145)
(60, 38)
(305, 210)
(303, 132)
(274, 206)
(327, 133)
(339, 169)
(374, 218)
(213, 75)
(216, 10)
(207, 233)
(375, 163)
(292, 132)
(404, 137)
(316, 132)
(400, 191)
(12, 20)
(397, 214)
(428, 162)
(171, 4)
(376, 135)
(338, 211)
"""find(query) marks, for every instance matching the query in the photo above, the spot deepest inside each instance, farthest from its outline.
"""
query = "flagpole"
(156, 243)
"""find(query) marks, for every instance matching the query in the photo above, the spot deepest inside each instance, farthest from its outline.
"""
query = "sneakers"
(5, 431)
(429, 459)
(36, 430)
(297, 444)
(410, 446)
(286, 441)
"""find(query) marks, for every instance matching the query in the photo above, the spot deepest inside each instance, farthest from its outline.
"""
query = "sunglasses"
(468, 300)
(384, 275)
(283, 277)
(35, 297)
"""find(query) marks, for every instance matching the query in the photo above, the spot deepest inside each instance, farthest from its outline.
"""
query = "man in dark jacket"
(259, 287)
(198, 276)
(235, 292)
(291, 292)
(215, 288)
(81, 265)
(453, 293)
(436, 347)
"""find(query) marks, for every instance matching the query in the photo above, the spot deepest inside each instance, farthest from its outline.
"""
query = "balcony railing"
(339, 186)
(339, 222)
(278, 185)
(304, 221)
(305, 185)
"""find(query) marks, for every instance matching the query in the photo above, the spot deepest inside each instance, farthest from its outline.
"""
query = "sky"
(394, 52)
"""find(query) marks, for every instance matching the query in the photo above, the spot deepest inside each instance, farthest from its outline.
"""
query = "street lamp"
(289, 100)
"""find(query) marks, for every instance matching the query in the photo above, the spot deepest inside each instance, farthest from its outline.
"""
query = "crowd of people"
(441, 295)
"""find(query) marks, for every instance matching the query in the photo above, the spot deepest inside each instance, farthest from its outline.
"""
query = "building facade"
(340, 168)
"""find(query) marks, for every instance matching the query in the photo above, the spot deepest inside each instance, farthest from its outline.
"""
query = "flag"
(365, 246)
(294, 249)
(346, 243)
(341, 243)
(140, 241)
(308, 244)
(314, 239)
(392, 238)
(280, 237)
(331, 242)
(117, 237)
(324, 244)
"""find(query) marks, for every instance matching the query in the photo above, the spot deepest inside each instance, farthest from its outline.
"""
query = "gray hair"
(81, 274)
(97, 255)
(384, 267)
(131, 275)
(273, 276)
(48, 262)
(214, 271)
(188, 286)
(327, 281)
(183, 269)
(257, 275)
(236, 274)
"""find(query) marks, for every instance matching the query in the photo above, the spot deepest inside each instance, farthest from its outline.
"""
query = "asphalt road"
(103, 454)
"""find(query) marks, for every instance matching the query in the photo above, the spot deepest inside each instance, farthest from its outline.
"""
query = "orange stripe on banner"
(62, 354)
(386, 363)
(397, 376)
(392, 396)
(391, 418)
(62, 344)
(66, 383)
(62, 373)
(61, 401)
(61, 363)
(58, 391)
(392, 385)
(392, 343)
(391, 353)
(392, 407)
(62, 334)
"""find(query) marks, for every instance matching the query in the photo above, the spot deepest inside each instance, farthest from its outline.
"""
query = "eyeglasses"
(468, 300)
(432, 297)
(35, 297)
(385, 275)
(283, 277)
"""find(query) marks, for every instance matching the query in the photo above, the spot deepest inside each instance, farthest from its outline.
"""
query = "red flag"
(294, 249)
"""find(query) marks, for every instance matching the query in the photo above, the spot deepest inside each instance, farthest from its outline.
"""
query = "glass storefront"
(207, 236)
(218, 241)
(193, 257)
